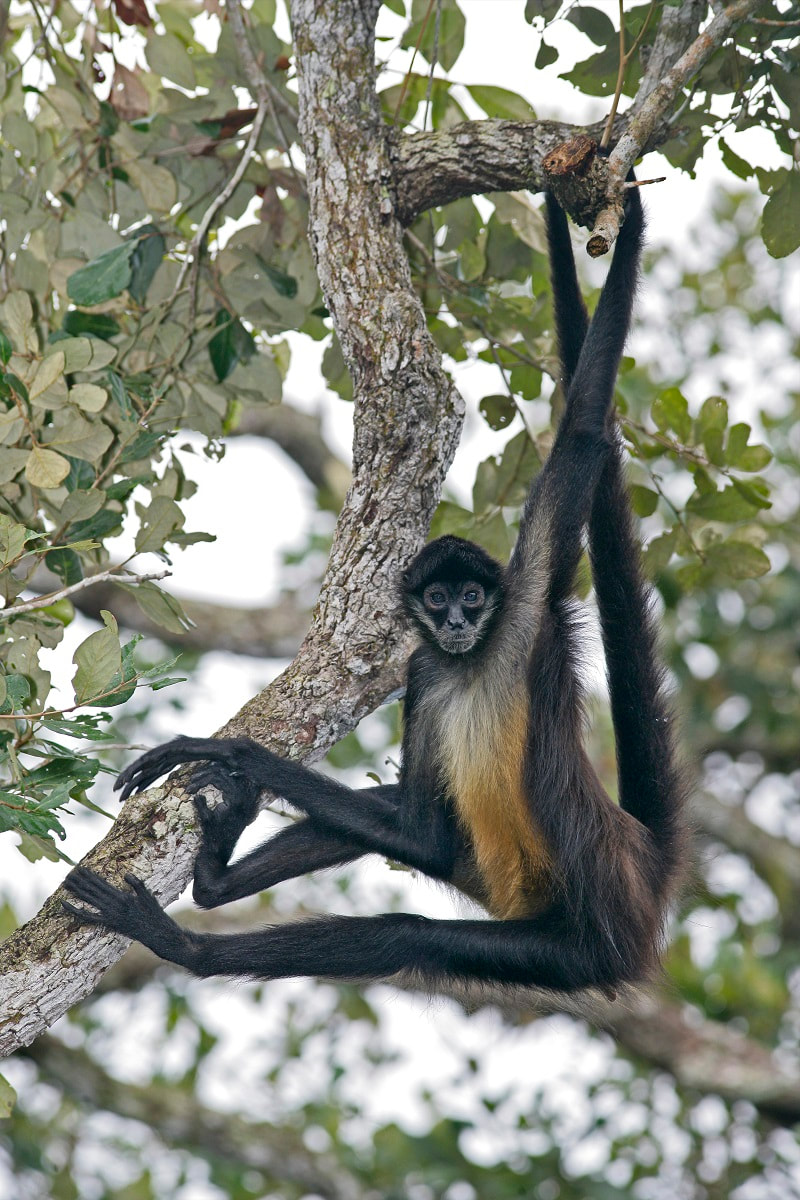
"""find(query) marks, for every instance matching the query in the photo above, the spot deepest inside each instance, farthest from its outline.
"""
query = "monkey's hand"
(136, 913)
(154, 763)
(223, 824)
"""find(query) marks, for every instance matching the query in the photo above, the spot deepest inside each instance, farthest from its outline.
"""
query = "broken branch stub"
(581, 181)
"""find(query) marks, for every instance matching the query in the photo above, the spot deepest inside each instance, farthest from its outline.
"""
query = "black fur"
(596, 918)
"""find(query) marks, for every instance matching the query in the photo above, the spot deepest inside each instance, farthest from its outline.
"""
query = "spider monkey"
(495, 789)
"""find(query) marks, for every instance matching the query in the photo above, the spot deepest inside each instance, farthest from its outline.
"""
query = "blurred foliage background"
(156, 280)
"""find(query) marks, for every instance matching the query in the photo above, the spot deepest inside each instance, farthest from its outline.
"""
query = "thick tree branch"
(181, 1121)
(408, 420)
(438, 167)
(272, 632)
(495, 155)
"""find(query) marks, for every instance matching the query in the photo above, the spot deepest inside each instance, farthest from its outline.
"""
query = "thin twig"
(624, 59)
(193, 251)
(407, 78)
(634, 183)
(54, 597)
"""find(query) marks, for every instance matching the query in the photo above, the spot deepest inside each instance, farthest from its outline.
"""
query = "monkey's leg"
(538, 951)
(295, 850)
(365, 817)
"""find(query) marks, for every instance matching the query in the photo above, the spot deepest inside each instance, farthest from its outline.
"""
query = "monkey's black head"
(453, 593)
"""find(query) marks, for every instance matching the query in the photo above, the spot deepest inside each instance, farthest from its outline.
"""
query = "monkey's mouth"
(458, 643)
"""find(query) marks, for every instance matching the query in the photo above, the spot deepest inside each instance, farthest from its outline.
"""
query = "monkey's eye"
(435, 598)
(473, 595)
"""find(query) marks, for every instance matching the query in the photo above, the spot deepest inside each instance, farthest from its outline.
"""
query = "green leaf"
(498, 411)
(160, 607)
(742, 456)
(157, 185)
(159, 520)
(658, 552)
(545, 56)
(452, 518)
(494, 536)
(711, 425)
(597, 75)
(541, 8)
(754, 491)
(120, 396)
(13, 540)
(594, 23)
(232, 345)
(500, 102)
(8, 1098)
(644, 500)
(738, 560)
(103, 278)
(284, 283)
(73, 434)
(98, 659)
(100, 325)
(45, 468)
(526, 381)
(48, 371)
(422, 31)
(88, 396)
(6, 349)
(84, 727)
(726, 505)
(149, 249)
(65, 564)
(485, 487)
(17, 694)
(168, 57)
(670, 410)
(734, 163)
(780, 222)
(519, 464)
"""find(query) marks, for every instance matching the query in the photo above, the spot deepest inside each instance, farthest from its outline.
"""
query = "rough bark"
(408, 419)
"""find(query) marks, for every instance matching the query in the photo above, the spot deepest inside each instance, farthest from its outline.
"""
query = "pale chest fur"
(481, 734)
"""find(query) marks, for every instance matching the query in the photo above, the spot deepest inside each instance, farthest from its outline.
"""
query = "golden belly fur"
(482, 743)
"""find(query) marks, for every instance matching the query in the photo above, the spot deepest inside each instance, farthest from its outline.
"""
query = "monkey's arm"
(367, 817)
(572, 319)
(558, 506)
(294, 850)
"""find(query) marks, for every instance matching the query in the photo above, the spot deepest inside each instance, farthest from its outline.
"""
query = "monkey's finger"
(84, 915)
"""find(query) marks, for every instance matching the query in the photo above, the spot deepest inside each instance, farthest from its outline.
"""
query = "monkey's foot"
(136, 913)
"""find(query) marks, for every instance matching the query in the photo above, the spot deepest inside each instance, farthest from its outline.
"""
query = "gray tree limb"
(272, 632)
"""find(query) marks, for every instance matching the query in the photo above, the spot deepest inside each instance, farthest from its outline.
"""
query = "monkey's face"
(454, 615)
